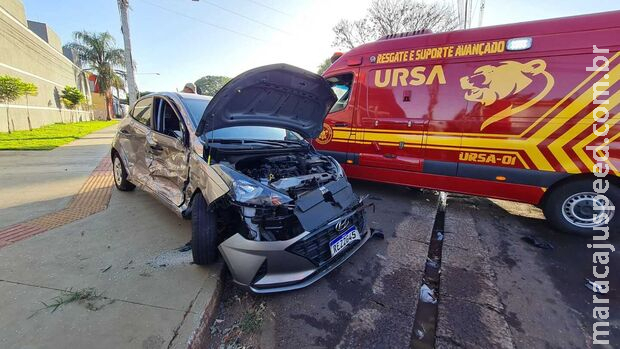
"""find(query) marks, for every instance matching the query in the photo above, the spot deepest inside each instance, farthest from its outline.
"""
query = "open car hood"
(277, 95)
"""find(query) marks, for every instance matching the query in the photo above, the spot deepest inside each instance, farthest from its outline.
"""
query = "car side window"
(142, 111)
(167, 121)
(341, 85)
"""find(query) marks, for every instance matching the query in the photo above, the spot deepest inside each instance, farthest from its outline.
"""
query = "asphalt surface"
(496, 290)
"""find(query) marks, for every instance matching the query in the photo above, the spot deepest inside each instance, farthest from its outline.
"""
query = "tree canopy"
(323, 66)
(99, 52)
(11, 88)
(210, 84)
(72, 97)
(385, 17)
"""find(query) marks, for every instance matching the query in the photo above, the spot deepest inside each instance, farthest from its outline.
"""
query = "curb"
(201, 335)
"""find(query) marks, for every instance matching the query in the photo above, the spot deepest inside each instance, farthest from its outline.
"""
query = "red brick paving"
(94, 196)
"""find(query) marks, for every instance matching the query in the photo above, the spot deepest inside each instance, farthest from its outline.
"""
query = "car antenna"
(212, 138)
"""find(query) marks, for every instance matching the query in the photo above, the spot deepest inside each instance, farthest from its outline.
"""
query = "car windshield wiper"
(278, 143)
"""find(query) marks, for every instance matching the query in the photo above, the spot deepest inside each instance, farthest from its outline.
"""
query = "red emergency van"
(524, 112)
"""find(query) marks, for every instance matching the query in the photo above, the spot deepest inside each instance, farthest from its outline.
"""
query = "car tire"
(120, 174)
(569, 208)
(204, 232)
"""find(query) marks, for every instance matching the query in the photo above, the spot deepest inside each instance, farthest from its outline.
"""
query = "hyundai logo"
(342, 225)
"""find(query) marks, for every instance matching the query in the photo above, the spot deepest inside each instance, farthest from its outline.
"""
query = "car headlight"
(246, 190)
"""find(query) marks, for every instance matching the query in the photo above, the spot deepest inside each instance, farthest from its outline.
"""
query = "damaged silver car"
(281, 214)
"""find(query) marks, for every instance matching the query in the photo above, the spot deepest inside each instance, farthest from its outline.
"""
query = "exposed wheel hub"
(585, 210)
(118, 171)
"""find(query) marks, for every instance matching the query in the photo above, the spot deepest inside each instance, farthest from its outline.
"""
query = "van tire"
(120, 174)
(204, 232)
(567, 204)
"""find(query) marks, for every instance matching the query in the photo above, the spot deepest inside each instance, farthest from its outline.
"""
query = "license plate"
(338, 244)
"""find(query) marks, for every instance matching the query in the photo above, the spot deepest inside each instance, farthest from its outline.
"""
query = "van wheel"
(570, 208)
(120, 175)
(204, 232)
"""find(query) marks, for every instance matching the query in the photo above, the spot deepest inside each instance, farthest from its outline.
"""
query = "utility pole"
(481, 13)
(123, 5)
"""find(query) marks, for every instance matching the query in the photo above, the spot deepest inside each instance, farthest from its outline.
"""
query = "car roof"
(176, 95)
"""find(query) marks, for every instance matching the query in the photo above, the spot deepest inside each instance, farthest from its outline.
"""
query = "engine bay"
(293, 173)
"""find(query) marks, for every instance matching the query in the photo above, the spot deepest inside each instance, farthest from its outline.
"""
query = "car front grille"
(315, 247)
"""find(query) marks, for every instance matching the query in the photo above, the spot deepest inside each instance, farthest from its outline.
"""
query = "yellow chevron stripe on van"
(586, 99)
(580, 147)
(568, 95)
(557, 146)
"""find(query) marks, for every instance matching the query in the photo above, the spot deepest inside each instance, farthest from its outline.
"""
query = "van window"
(142, 111)
(341, 85)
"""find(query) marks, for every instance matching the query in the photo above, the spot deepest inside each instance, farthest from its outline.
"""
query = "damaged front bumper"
(275, 266)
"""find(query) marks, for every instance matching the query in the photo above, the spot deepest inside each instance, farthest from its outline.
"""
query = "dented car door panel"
(167, 166)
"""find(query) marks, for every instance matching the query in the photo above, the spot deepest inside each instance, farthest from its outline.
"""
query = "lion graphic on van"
(491, 83)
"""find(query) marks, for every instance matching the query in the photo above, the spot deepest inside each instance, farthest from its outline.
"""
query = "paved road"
(496, 290)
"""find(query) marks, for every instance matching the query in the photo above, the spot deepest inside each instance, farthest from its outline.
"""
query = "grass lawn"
(50, 136)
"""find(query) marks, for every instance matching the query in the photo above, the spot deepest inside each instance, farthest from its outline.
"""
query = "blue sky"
(180, 39)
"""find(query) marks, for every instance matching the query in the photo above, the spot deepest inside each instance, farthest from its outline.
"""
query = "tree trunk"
(28, 114)
(107, 105)
(8, 121)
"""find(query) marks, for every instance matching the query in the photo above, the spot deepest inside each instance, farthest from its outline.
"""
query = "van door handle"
(341, 124)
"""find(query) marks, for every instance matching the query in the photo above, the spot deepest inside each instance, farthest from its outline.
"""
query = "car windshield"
(253, 133)
(196, 107)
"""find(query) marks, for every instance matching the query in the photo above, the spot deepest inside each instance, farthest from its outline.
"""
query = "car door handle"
(156, 147)
(341, 124)
(125, 132)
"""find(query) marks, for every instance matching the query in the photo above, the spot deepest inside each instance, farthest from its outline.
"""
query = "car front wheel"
(120, 175)
(576, 208)
(204, 232)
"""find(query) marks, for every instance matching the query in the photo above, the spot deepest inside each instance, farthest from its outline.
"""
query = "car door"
(132, 138)
(167, 153)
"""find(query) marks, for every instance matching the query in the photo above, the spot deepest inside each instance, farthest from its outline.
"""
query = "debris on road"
(172, 258)
(439, 236)
(377, 233)
(594, 287)
(534, 241)
(88, 297)
(106, 268)
(186, 247)
(427, 295)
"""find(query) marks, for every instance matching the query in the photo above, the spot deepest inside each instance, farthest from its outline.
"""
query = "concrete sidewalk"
(33, 183)
(151, 294)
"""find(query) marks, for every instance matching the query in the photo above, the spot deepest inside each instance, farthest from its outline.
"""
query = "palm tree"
(99, 52)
